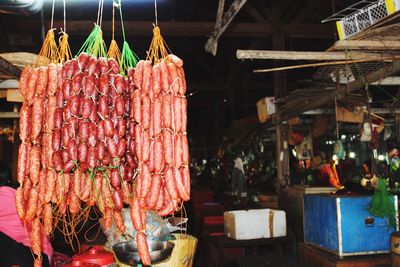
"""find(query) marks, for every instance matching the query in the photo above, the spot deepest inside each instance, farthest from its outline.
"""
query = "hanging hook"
(155, 12)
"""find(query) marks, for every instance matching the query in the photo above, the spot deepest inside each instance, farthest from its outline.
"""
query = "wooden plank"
(3, 93)
(20, 59)
(304, 55)
(9, 83)
(366, 45)
(9, 115)
(13, 95)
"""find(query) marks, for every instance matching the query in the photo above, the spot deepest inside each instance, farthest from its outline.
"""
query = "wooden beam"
(367, 45)
(222, 25)
(9, 68)
(307, 10)
(183, 28)
(304, 55)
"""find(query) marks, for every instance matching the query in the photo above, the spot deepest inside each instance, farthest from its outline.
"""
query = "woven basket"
(183, 253)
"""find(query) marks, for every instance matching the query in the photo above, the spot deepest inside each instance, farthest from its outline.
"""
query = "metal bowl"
(127, 252)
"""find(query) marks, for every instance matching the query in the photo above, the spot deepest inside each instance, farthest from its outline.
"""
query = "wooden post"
(280, 86)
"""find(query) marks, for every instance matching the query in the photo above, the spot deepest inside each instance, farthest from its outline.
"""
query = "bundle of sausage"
(161, 145)
(87, 131)
(90, 138)
(35, 171)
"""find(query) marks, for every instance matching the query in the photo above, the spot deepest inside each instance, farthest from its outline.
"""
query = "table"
(310, 256)
(221, 242)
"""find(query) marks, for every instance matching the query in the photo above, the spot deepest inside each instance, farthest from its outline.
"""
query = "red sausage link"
(82, 60)
(157, 124)
(164, 76)
(47, 219)
(145, 146)
(147, 70)
(25, 122)
(41, 84)
(170, 183)
(138, 76)
(30, 91)
(91, 65)
(177, 151)
(102, 64)
(34, 164)
(167, 147)
(91, 159)
(184, 114)
(146, 181)
(176, 60)
(115, 178)
(138, 142)
(88, 85)
(186, 179)
(50, 185)
(53, 79)
(59, 98)
(135, 212)
(37, 118)
(166, 111)
(92, 139)
(158, 156)
(154, 191)
(23, 155)
(173, 78)
(177, 114)
(76, 83)
(143, 248)
(104, 85)
(185, 150)
(182, 81)
(32, 204)
(137, 106)
(117, 198)
(49, 117)
(20, 203)
(113, 65)
(184, 195)
(58, 118)
(156, 77)
(82, 152)
(57, 161)
(23, 80)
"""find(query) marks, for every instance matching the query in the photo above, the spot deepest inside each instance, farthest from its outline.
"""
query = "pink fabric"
(12, 225)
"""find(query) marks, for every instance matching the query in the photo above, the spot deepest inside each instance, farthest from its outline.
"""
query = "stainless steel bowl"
(127, 252)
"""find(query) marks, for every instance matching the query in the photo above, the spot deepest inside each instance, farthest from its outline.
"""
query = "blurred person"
(14, 243)
(238, 177)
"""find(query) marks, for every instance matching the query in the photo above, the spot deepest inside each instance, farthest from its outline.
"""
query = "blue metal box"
(343, 225)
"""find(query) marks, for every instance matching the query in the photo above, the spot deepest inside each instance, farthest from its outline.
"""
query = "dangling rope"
(49, 51)
(64, 49)
(128, 58)
(94, 45)
(158, 47)
(113, 50)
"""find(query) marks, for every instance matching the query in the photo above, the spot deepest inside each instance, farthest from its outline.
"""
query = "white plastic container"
(253, 224)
